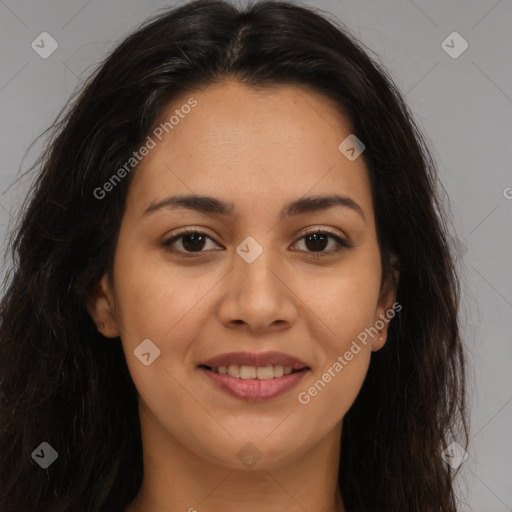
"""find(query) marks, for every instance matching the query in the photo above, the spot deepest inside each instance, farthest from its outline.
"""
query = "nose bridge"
(257, 295)
(254, 263)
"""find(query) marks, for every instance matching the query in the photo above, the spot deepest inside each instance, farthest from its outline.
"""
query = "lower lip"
(255, 390)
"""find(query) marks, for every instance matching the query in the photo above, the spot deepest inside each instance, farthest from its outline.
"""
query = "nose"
(258, 296)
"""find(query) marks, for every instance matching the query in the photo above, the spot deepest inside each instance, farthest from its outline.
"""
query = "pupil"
(196, 238)
(318, 240)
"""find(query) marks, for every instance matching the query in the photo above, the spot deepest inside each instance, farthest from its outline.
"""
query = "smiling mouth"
(254, 383)
(247, 372)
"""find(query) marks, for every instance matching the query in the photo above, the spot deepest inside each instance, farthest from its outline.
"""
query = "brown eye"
(190, 241)
(317, 241)
(193, 241)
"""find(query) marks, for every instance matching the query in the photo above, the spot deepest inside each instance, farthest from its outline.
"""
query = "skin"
(257, 150)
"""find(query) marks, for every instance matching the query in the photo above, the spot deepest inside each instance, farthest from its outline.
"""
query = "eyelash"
(342, 244)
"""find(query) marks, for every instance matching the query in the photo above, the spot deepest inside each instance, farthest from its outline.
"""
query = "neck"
(177, 480)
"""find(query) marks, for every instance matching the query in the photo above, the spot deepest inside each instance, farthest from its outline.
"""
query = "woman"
(231, 286)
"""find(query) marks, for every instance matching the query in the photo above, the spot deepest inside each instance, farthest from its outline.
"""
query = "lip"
(255, 359)
(255, 390)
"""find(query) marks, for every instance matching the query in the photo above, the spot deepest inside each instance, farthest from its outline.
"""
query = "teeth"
(233, 370)
(254, 372)
(265, 372)
(247, 372)
(278, 370)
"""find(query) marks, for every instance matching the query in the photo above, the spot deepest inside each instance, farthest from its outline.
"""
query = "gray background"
(464, 105)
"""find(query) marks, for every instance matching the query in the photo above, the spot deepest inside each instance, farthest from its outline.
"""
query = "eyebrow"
(211, 205)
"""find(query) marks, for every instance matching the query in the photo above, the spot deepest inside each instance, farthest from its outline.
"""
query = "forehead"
(238, 143)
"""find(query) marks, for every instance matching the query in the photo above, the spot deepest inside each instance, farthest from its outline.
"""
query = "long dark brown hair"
(63, 383)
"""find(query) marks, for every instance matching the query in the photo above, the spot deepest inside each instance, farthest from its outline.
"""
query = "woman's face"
(254, 282)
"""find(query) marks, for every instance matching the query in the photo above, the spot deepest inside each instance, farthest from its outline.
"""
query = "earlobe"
(378, 342)
(101, 307)
(386, 307)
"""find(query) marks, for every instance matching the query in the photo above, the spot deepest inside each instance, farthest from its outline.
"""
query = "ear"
(101, 307)
(387, 306)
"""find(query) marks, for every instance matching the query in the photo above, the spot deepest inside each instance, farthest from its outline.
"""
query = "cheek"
(158, 303)
(344, 302)
(341, 376)
(167, 305)
(327, 397)
(331, 389)
(344, 309)
(157, 298)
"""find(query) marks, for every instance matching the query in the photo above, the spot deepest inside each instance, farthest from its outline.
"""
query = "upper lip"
(255, 359)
